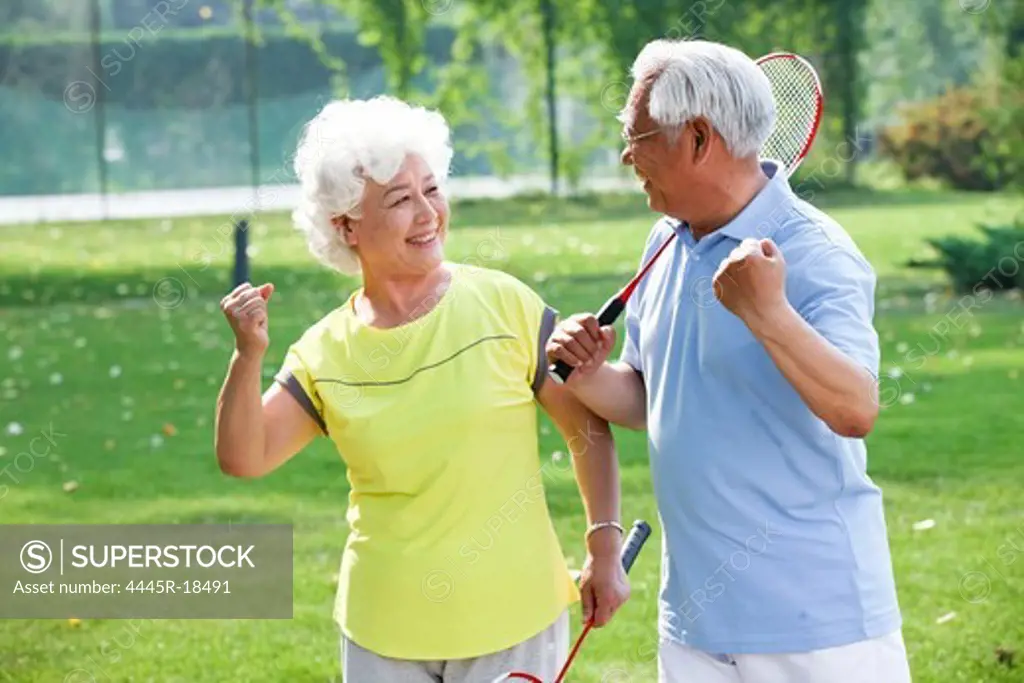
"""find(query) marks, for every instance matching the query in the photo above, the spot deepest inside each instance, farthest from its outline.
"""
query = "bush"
(951, 138)
(996, 263)
(1008, 119)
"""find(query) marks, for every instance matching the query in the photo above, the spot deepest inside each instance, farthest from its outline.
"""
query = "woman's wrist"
(604, 538)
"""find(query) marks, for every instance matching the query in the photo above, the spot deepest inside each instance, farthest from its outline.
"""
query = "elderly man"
(751, 360)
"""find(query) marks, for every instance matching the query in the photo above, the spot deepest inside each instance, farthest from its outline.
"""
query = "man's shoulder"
(809, 237)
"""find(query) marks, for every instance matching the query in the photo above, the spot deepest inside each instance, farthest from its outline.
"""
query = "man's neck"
(727, 198)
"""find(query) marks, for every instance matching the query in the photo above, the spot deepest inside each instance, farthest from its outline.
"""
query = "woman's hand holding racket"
(638, 536)
(604, 587)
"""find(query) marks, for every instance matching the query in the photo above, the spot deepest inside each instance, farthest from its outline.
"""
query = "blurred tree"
(575, 56)
(843, 72)
(627, 27)
(916, 51)
(397, 29)
(547, 11)
(1007, 25)
(548, 39)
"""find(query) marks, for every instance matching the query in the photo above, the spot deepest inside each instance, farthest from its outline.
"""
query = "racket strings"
(797, 97)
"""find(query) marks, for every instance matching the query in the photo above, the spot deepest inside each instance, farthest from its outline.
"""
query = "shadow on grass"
(531, 209)
(49, 287)
(313, 287)
(868, 198)
(170, 288)
(162, 287)
(536, 210)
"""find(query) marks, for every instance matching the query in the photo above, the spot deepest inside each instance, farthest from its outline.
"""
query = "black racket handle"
(608, 314)
(638, 535)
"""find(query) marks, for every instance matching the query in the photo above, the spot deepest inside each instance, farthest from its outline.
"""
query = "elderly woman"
(425, 379)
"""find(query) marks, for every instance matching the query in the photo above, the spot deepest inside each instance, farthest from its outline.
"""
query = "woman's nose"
(626, 157)
(426, 213)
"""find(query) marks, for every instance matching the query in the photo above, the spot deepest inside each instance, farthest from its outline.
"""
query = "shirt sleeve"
(541, 323)
(839, 303)
(295, 377)
(536, 321)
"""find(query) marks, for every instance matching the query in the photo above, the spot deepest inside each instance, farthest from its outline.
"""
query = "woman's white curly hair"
(351, 141)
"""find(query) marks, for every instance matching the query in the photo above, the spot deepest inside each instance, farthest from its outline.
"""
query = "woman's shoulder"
(497, 281)
(502, 293)
(329, 329)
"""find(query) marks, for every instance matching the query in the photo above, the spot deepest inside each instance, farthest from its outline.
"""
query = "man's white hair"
(351, 141)
(694, 78)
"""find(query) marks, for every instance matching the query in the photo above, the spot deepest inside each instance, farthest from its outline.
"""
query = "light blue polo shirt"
(775, 539)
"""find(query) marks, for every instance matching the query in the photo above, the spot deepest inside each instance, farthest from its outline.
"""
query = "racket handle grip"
(638, 535)
(609, 313)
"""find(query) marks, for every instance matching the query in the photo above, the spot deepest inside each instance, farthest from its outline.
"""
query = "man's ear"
(702, 134)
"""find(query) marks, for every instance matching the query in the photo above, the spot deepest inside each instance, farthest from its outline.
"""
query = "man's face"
(662, 165)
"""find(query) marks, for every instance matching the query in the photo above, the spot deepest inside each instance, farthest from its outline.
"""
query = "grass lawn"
(112, 339)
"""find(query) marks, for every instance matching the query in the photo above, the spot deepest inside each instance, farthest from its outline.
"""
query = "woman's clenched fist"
(246, 311)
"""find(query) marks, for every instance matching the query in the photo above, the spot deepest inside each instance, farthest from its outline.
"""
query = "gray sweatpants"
(542, 655)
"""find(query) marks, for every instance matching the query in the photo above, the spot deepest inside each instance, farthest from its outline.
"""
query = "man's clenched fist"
(751, 281)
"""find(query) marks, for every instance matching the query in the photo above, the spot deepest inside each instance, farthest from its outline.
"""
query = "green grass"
(77, 300)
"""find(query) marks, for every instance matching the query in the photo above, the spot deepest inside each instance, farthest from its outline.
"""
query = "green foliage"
(994, 263)
(597, 40)
(448, 54)
(916, 50)
(175, 107)
(396, 28)
(950, 138)
(1006, 120)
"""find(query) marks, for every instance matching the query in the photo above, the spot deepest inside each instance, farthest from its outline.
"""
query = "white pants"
(869, 661)
(542, 655)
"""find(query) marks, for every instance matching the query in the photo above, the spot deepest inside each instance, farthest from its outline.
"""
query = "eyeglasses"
(630, 140)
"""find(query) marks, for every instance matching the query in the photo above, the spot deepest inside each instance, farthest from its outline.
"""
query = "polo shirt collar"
(751, 220)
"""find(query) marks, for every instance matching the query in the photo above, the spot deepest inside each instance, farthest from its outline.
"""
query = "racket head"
(799, 104)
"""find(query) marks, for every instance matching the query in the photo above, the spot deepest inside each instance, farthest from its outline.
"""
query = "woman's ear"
(343, 224)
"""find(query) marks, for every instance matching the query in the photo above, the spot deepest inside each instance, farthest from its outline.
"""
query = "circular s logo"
(79, 97)
(974, 6)
(438, 585)
(36, 557)
(169, 292)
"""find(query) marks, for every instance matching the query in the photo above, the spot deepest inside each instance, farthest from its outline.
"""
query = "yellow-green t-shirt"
(451, 551)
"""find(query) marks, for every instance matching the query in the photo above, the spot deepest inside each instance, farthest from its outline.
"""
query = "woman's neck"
(389, 301)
